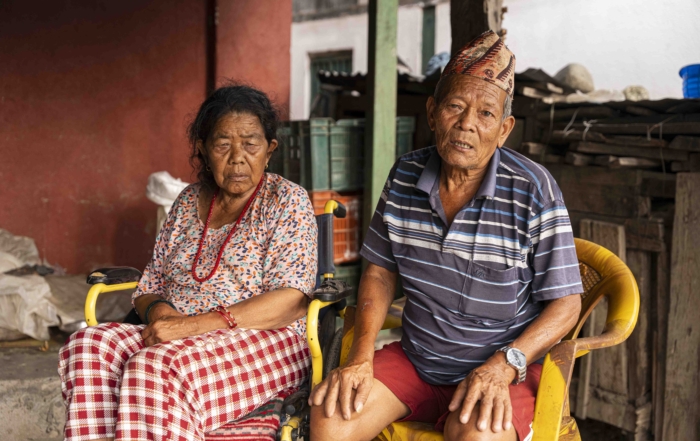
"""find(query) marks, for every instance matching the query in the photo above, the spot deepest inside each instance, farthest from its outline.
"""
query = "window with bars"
(336, 61)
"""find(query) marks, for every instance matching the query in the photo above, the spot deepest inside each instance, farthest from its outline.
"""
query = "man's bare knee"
(333, 428)
(456, 431)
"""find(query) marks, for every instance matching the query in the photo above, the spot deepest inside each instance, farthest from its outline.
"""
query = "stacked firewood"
(650, 135)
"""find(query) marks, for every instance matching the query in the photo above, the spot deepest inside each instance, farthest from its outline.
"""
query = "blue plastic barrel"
(691, 81)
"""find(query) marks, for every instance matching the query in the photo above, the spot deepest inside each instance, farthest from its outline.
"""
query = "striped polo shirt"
(473, 286)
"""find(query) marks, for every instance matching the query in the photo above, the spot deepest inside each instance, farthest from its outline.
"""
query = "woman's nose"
(236, 155)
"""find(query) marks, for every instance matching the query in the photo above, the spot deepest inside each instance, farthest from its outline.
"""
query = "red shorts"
(429, 403)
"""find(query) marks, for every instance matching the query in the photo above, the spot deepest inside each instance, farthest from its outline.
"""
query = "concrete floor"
(31, 408)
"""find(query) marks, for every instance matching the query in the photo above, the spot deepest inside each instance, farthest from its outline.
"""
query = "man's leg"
(456, 431)
(381, 409)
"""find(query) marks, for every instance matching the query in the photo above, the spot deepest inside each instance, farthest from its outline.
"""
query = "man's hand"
(340, 385)
(166, 324)
(488, 384)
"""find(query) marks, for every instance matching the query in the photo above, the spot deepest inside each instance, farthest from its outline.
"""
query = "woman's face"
(237, 152)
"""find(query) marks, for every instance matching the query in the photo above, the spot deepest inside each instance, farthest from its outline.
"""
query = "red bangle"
(223, 312)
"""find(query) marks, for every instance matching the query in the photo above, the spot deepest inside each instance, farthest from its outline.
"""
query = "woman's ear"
(271, 148)
(202, 151)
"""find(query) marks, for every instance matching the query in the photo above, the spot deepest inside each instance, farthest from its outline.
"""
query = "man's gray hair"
(507, 107)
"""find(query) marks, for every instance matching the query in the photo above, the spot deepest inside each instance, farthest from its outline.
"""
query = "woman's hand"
(166, 324)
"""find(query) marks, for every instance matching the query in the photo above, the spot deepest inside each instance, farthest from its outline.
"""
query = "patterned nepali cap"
(485, 57)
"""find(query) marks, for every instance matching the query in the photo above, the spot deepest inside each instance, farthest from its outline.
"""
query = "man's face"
(468, 121)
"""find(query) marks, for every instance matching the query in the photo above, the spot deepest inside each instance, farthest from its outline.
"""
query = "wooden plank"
(613, 409)
(531, 92)
(639, 344)
(533, 148)
(680, 166)
(619, 201)
(641, 234)
(577, 159)
(681, 405)
(658, 185)
(547, 158)
(583, 396)
(659, 318)
(688, 143)
(670, 128)
(609, 366)
(587, 112)
(638, 141)
(625, 162)
(640, 152)
(561, 137)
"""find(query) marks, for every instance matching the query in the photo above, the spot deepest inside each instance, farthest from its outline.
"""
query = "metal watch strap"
(522, 372)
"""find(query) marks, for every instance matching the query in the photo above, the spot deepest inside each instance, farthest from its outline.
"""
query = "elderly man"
(481, 240)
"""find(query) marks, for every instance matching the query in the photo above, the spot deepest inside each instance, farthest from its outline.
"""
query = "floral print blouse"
(274, 247)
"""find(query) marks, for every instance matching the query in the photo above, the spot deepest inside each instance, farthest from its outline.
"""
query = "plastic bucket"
(691, 81)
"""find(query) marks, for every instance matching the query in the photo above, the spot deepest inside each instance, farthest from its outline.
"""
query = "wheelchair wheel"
(331, 358)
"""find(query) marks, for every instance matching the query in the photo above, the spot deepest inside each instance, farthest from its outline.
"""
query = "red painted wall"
(264, 60)
(94, 97)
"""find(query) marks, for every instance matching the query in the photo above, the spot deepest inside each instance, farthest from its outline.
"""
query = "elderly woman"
(223, 299)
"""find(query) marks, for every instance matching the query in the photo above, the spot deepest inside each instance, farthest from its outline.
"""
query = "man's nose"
(467, 120)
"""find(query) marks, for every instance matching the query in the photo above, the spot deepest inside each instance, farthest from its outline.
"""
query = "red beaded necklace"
(228, 237)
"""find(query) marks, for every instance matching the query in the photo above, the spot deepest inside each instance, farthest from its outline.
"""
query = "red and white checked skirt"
(114, 387)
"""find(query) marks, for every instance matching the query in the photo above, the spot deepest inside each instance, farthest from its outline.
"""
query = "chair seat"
(261, 424)
(413, 431)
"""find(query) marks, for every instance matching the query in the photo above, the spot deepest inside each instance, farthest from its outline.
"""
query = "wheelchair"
(603, 275)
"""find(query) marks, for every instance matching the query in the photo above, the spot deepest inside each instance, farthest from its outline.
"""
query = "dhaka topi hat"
(485, 57)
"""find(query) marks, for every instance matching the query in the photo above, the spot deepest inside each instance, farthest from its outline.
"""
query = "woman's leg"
(184, 389)
(90, 365)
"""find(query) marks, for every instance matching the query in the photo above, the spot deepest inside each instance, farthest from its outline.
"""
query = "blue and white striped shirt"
(474, 286)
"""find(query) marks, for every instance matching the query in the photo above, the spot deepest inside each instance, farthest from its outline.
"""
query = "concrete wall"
(253, 45)
(622, 42)
(95, 96)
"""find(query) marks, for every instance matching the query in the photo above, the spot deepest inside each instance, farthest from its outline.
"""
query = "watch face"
(516, 358)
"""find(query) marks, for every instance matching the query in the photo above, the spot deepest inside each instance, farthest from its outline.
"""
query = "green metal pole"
(380, 141)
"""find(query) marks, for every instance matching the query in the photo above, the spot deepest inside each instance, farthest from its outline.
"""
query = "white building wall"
(621, 42)
(443, 29)
(347, 33)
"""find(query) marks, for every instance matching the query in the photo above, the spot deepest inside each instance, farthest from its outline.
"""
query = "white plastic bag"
(24, 300)
(25, 306)
(163, 189)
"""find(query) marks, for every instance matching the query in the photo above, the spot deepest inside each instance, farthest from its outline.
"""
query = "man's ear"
(506, 128)
(430, 107)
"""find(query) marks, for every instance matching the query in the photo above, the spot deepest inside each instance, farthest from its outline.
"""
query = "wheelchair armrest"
(114, 275)
(332, 290)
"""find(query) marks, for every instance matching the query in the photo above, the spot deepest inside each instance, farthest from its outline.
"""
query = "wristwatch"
(516, 359)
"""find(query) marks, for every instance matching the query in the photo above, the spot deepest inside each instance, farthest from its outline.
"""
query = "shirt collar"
(431, 173)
